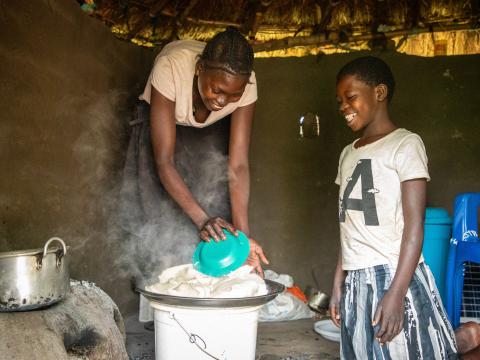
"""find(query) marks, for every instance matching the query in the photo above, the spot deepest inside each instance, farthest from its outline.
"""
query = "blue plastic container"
(437, 234)
(464, 246)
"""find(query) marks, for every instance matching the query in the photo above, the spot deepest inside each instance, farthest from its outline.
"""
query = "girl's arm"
(337, 291)
(162, 118)
(390, 310)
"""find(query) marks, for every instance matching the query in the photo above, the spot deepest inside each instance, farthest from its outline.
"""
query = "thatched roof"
(300, 27)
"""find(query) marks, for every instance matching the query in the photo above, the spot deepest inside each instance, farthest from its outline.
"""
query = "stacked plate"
(327, 329)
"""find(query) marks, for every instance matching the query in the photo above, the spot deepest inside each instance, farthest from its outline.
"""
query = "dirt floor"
(285, 340)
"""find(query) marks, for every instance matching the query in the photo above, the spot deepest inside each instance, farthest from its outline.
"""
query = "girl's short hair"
(229, 51)
(372, 71)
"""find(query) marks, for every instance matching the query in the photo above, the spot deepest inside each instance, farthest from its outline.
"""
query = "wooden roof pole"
(157, 8)
(185, 12)
(322, 40)
(152, 13)
(168, 13)
(178, 21)
(413, 13)
(254, 17)
(326, 14)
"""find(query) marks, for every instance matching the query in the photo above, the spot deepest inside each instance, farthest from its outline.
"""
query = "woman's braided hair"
(229, 51)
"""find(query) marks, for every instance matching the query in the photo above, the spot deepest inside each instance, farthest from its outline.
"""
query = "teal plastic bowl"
(220, 258)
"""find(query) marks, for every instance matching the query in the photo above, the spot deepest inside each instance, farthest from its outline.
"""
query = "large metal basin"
(273, 288)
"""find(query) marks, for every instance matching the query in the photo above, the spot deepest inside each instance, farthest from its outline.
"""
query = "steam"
(96, 154)
(158, 233)
(121, 225)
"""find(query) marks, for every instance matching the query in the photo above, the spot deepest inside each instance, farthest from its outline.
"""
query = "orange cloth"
(296, 291)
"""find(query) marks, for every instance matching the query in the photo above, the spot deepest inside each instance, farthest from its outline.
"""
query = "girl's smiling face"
(219, 88)
(359, 102)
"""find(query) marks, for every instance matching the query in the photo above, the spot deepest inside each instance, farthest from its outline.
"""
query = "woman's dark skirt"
(161, 235)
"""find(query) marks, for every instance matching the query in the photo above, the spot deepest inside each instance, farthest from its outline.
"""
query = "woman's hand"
(256, 257)
(389, 315)
(212, 228)
(334, 306)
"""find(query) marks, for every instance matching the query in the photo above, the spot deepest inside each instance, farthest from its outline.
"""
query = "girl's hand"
(256, 257)
(334, 306)
(389, 315)
(212, 228)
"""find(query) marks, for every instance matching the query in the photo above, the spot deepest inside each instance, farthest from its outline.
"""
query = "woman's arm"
(162, 118)
(390, 310)
(238, 165)
(239, 179)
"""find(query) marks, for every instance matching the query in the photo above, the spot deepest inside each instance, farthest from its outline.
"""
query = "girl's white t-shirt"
(370, 198)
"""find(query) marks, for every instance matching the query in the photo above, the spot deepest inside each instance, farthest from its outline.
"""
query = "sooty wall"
(66, 93)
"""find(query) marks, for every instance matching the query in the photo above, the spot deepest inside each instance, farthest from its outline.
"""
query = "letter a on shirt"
(362, 173)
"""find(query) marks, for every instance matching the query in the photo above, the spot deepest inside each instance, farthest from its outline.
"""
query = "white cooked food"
(184, 280)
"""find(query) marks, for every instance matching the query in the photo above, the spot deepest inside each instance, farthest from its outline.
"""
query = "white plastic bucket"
(199, 333)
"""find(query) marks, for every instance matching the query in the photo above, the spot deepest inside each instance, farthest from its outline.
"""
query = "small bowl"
(221, 258)
(327, 329)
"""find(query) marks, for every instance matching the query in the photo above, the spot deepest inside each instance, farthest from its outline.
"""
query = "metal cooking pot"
(32, 279)
(318, 301)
